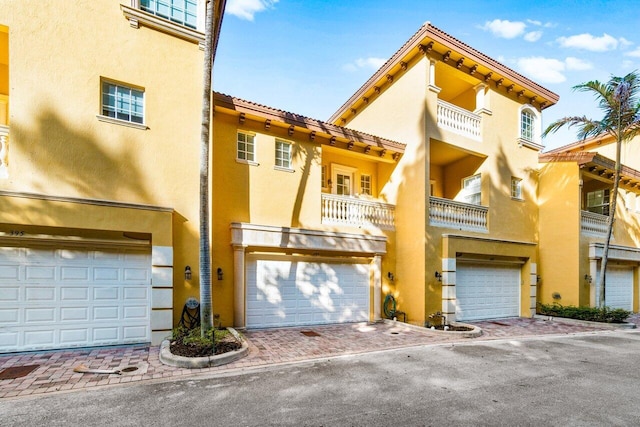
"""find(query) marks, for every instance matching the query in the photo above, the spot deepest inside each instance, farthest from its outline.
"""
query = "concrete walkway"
(266, 348)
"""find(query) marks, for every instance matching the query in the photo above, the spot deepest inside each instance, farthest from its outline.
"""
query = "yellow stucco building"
(427, 184)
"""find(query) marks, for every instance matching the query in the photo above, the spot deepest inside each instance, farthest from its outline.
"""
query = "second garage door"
(485, 291)
(619, 287)
(292, 292)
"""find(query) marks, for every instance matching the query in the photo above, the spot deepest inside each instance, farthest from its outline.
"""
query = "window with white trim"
(365, 184)
(516, 188)
(598, 201)
(283, 154)
(122, 102)
(527, 123)
(246, 147)
(472, 189)
(183, 12)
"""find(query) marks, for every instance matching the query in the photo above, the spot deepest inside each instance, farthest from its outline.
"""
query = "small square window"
(283, 154)
(365, 184)
(246, 148)
(122, 102)
(516, 188)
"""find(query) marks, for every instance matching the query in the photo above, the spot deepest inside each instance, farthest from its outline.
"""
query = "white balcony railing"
(459, 120)
(4, 152)
(351, 211)
(461, 216)
(593, 223)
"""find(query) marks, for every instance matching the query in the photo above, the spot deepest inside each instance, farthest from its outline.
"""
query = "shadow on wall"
(64, 160)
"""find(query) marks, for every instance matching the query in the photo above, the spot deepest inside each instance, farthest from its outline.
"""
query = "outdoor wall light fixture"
(587, 278)
(390, 276)
(219, 271)
(439, 276)
(187, 273)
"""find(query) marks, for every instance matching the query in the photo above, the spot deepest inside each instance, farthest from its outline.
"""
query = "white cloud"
(505, 29)
(624, 42)
(634, 53)
(246, 9)
(371, 63)
(577, 64)
(534, 22)
(589, 42)
(544, 70)
(533, 36)
(549, 70)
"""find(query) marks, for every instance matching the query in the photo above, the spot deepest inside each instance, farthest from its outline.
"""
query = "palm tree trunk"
(206, 302)
(602, 283)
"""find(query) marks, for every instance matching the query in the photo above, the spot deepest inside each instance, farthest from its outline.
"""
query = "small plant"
(593, 314)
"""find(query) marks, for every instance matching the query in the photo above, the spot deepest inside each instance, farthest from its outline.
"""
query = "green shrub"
(604, 314)
(194, 336)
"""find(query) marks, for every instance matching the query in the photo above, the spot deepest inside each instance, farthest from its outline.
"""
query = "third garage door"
(619, 287)
(486, 291)
(292, 292)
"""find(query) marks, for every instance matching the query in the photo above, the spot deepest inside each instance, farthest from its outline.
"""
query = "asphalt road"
(580, 380)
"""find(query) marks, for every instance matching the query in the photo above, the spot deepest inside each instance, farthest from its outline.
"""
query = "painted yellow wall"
(559, 194)
(59, 147)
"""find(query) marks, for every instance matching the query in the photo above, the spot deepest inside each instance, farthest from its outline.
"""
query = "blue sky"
(310, 56)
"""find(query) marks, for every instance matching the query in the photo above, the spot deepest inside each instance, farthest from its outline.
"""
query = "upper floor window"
(283, 154)
(516, 188)
(365, 184)
(246, 147)
(183, 12)
(530, 127)
(526, 125)
(598, 201)
(472, 189)
(323, 176)
(122, 102)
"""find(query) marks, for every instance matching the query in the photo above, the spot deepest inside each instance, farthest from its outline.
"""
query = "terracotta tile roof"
(275, 115)
(428, 33)
(589, 158)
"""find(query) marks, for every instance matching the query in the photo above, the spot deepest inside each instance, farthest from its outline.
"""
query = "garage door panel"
(40, 272)
(289, 293)
(485, 291)
(619, 287)
(69, 274)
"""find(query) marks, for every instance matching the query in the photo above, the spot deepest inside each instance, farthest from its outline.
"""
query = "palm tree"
(619, 100)
(206, 317)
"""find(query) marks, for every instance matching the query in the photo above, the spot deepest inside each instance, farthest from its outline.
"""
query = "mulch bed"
(453, 328)
(229, 343)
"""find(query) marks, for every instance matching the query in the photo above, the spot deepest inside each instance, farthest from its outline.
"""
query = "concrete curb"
(585, 322)
(170, 359)
(474, 333)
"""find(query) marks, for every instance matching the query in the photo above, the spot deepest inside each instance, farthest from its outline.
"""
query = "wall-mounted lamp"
(556, 295)
(538, 278)
(439, 276)
(390, 276)
(587, 278)
(187, 273)
(329, 182)
(219, 273)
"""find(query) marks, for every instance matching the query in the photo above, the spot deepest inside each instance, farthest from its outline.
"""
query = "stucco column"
(482, 99)
(431, 78)
(377, 287)
(238, 286)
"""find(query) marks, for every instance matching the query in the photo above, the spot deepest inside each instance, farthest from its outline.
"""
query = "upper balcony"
(594, 223)
(459, 120)
(355, 212)
(457, 215)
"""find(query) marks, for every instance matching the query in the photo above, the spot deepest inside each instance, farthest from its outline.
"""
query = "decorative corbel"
(473, 69)
(365, 99)
(460, 62)
(382, 152)
(521, 93)
(499, 82)
(403, 65)
(350, 145)
(332, 141)
(267, 124)
(312, 135)
(488, 76)
(510, 88)
(291, 130)
(396, 156)
(446, 56)
(376, 89)
(389, 78)
(367, 149)
(242, 118)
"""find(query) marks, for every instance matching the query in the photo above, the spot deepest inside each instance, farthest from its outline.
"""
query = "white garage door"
(293, 292)
(61, 297)
(485, 291)
(618, 291)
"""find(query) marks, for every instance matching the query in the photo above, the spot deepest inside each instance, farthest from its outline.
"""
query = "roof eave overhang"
(435, 43)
